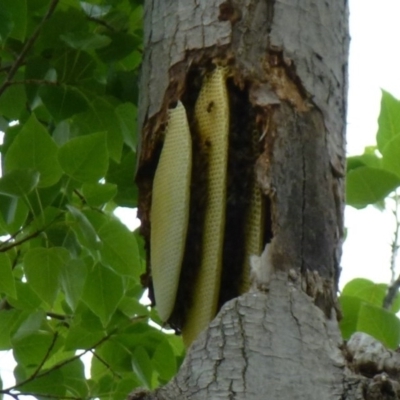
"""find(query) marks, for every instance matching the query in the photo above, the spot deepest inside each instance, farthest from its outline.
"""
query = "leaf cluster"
(372, 176)
(361, 301)
(69, 269)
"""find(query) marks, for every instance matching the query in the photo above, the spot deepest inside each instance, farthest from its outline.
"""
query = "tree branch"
(4, 247)
(29, 43)
(56, 366)
(395, 283)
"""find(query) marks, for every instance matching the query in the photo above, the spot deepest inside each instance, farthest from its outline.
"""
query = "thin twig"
(45, 358)
(106, 364)
(391, 293)
(28, 44)
(59, 365)
(394, 283)
(395, 242)
(32, 235)
(101, 22)
(26, 238)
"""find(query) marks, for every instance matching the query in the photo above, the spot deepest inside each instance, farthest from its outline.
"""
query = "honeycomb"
(170, 210)
(212, 118)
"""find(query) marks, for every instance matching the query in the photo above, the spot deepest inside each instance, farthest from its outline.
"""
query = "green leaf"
(388, 121)
(97, 194)
(365, 160)
(85, 331)
(85, 40)
(143, 367)
(14, 213)
(6, 23)
(26, 298)
(391, 156)
(34, 148)
(122, 84)
(120, 251)
(19, 182)
(85, 158)
(12, 102)
(40, 199)
(9, 322)
(132, 307)
(18, 11)
(366, 290)
(82, 338)
(379, 323)
(42, 269)
(366, 185)
(50, 385)
(31, 350)
(164, 361)
(84, 230)
(30, 325)
(370, 292)
(127, 114)
(121, 45)
(115, 355)
(125, 386)
(350, 307)
(103, 291)
(102, 117)
(74, 66)
(74, 379)
(7, 282)
(64, 19)
(123, 175)
(63, 101)
(72, 279)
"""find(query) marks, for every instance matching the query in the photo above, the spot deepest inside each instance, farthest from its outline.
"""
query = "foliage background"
(69, 269)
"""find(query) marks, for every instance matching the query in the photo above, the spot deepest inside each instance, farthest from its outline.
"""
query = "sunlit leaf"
(103, 291)
(73, 277)
(34, 148)
(120, 250)
(391, 156)
(84, 230)
(366, 185)
(97, 194)
(164, 361)
(379, 323)
(388, 121)
(366, 290)
(143, 367)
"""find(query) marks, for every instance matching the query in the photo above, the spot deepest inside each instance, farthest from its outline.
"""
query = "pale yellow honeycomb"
(170, 210)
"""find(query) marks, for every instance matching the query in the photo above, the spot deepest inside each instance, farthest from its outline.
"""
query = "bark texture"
(290, 59)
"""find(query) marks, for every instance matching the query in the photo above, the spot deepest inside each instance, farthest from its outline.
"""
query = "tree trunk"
(289, 61)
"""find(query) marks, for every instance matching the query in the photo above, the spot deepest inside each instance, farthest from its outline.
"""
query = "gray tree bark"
(280, 341)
